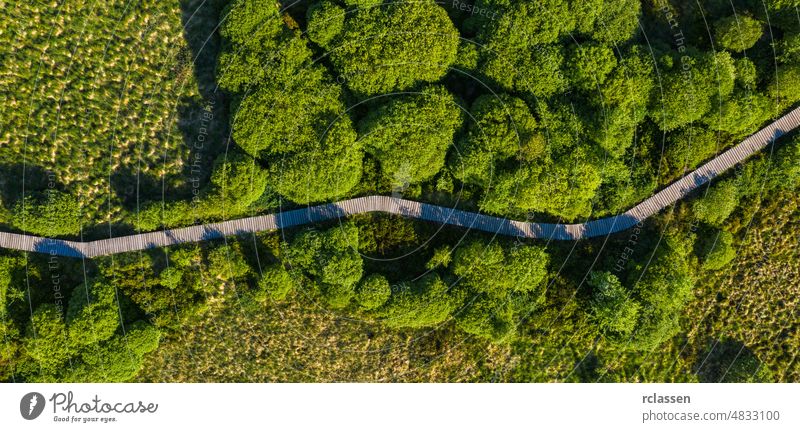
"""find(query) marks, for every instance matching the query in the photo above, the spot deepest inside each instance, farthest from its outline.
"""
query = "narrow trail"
(412, 209)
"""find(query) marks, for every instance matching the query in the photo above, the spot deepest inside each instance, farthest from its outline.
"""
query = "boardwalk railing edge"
(417, 210)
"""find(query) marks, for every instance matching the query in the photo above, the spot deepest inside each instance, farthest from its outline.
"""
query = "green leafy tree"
(237, 181)
(441, 258)
(424, 303)
(325, 22)
(620, 104)
(46, 342)
(288, 110)
(117, 360)
(738, 32)
(9, 333)
(504, 130)
(616, 21)
(691, 88)
(565, 187)
(662, 288)
(488, 318)
(689, 146)
(276, 282)
(588, 65)
(741, 113)
(717, 250)
(489, 269)
(613, 308)
(331, 259)
(410, 135)
(92, 314)
(785, 86)
(506, 285)
(373, 292)
(718, 203)
(227, 263)
(50, 214)
(395, 47)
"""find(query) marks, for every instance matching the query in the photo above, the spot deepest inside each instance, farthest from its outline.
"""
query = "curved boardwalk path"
(416, 210)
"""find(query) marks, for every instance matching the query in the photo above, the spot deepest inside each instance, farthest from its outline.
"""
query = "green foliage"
(395, 47)
(718, 203)
(738, 32)
(92, 314)
(692, 87)
(170, 297)
(613, 308)
(717, 250)
(617, 20)
(276, 283)
(325, 21)
(688, 147)
(741, 113)
(565, 187)
(441, 258)
(424, 303)
(785, 173)
(410, 135)
(236, 182)
(788, 49)
(785, 86)
(373, 292)
(589, 65)
(9, 333)
(504, 129)
(662, 288)
(489, 319)
(47, 340)
(487, 268)
(227, 263)
(167, 214)
(621, 102)
(506, 284)
(48, 214)
(292, 116)
(117, 360)
(331, 259)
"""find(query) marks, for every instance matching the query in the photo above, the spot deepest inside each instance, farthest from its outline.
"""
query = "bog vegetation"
(137, 117)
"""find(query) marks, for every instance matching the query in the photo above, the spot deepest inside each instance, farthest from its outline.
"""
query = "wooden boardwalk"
(416, 210)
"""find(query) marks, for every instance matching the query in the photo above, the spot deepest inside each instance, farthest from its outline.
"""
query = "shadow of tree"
(730, 361)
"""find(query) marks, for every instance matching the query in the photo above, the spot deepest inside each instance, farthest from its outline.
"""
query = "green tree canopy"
(288, 111)
(662, 288)
(613, 308)
(504, 130)
(410, 135)
(693, 85)
(92, 314)
(276, 282)
(52, 213)
(325, 22)
(237, 181)
(394, 47)
(717, 250)
(424, 303)
(588, 65)
(489, 269)
(373, 292)
(738, 32)
(716, 205)
(331, 259)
